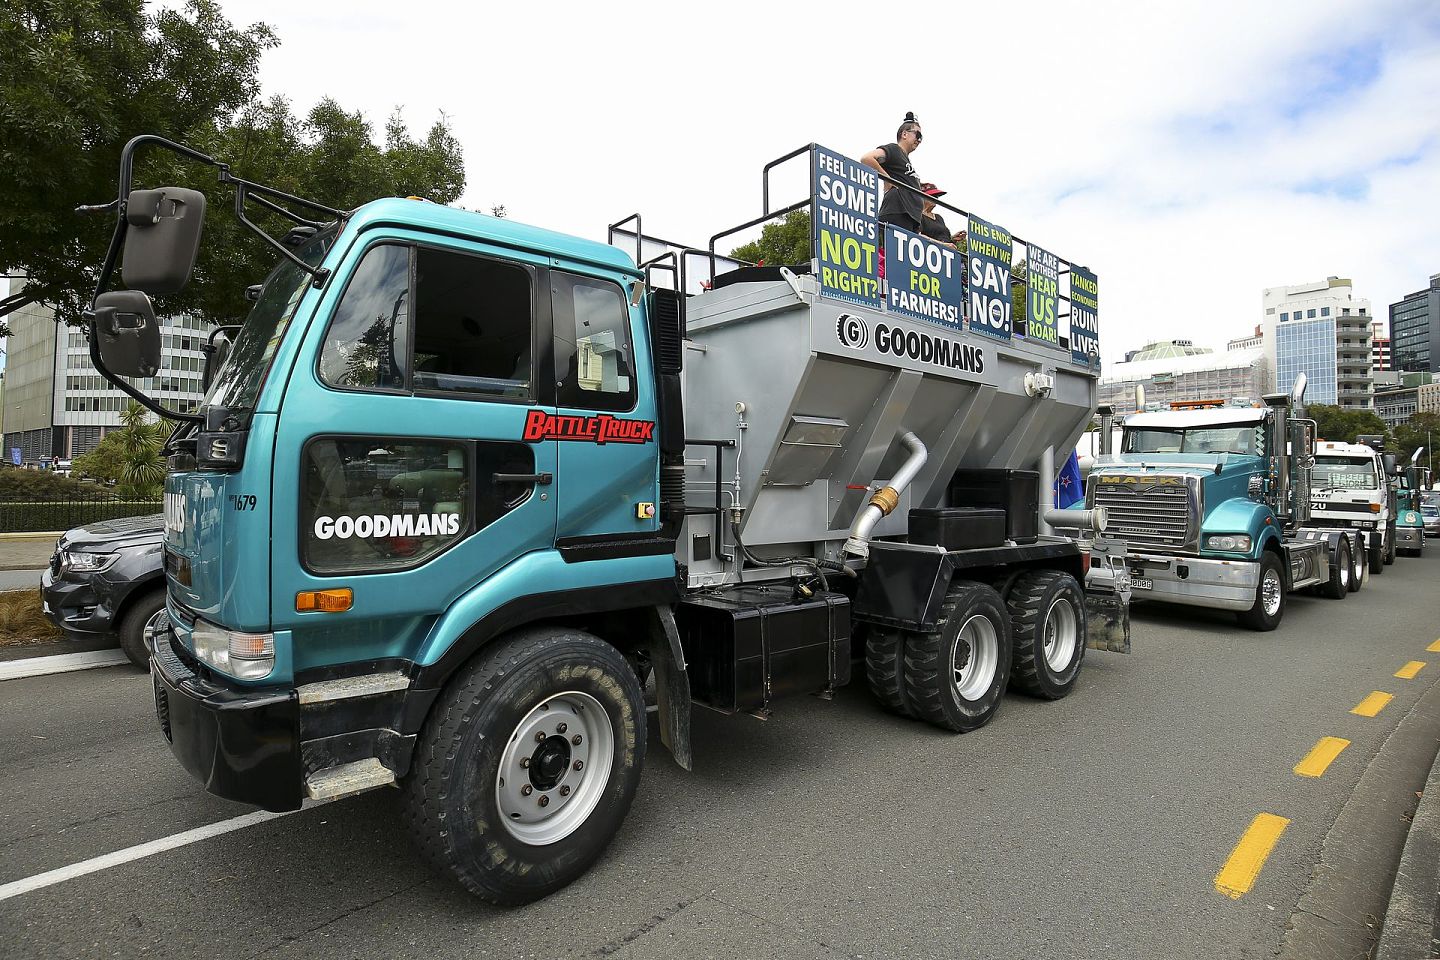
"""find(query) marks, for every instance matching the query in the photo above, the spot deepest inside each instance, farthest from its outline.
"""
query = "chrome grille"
(1147, 516)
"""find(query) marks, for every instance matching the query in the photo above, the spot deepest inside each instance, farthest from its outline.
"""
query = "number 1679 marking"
(242, 501)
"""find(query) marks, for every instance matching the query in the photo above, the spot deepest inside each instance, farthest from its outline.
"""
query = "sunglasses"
(918, 135)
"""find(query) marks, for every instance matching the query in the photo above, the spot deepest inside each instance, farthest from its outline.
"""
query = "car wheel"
(138, 623)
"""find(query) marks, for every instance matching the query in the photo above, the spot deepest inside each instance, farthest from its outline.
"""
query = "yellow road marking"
(1238, 874)
(1408, 671)
(1372, 704)
(1321, 756)
(1434, 647)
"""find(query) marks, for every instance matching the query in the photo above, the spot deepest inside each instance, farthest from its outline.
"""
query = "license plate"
(1141, 583)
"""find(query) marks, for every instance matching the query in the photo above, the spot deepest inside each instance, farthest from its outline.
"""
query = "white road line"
(60, 663)
(51, 877)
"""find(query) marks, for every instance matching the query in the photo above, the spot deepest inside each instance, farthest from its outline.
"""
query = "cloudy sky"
(1190, 153)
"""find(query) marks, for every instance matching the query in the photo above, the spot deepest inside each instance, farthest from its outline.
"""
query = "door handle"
(543, 479)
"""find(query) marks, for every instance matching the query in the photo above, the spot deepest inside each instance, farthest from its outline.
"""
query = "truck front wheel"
(1390, 547)
(1269, 607)
(1047, 617)
(955, 678)
(1376, 543)
(528, 764)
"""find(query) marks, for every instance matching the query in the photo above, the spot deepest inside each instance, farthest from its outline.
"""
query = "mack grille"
(1147, 516)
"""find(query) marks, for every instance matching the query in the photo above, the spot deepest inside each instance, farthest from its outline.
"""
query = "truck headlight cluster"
(76, 561)
(245, 656)
(1228, 542)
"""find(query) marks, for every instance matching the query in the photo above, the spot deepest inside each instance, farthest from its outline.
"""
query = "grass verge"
(21, 620)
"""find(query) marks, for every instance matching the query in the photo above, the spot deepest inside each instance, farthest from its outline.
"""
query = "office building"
(1253, 342)
(1321, 330)
(1235, 377)
(1415, 329)
(58, 406)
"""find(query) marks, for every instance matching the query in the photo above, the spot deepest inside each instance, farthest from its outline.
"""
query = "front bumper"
(73, 606)
(241, 744)
(1196, 582)
(1410, 538)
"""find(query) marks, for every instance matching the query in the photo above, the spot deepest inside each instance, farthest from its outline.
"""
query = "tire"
(1338, 587)
(478, 765)
(1047, 623)
(1359, 569)
(885, 669)
(139, 617)
(1259, 617)
(975, 634)
(1375, 540)
(1390, 547)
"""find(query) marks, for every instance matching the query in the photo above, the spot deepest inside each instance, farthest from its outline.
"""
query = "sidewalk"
(27, 551)
(1410, 931)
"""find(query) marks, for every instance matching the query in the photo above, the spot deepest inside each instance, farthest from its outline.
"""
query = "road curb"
(56, 535)
(60, 663)
(1340, 913)
(1409, 932)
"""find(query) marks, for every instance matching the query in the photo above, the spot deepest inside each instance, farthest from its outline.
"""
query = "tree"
(1342, 425)
(1421, 430)
(129, 456)
(784, 242)
(79, 78)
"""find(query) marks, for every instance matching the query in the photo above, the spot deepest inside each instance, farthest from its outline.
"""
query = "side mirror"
(1391, 462)
(162, 238)
(128, 333)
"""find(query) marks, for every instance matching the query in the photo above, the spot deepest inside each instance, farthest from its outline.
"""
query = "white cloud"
(1168, 146)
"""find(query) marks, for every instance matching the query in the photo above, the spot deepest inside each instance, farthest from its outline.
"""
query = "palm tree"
(142, 471)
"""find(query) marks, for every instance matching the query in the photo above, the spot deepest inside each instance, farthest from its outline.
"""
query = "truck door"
(607, 484)
(401, 471)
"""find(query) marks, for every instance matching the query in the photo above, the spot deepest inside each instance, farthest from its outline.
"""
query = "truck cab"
(1212, 502)
(1409, 516)
(1349, 491)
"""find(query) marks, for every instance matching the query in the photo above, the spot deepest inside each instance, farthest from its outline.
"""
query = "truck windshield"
(1237, 439)
(1346, 473)
(238, 382)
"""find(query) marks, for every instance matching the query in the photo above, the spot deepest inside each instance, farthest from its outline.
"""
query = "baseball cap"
(930, 190)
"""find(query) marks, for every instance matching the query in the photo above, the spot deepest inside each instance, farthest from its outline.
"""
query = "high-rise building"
(58, 406)
(1320, 329)
(1415, 329)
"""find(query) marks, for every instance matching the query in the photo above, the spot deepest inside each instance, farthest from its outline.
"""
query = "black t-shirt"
(900, 207)
(934, 228)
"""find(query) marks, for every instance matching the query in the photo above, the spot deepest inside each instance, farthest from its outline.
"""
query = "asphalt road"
(1091, 827)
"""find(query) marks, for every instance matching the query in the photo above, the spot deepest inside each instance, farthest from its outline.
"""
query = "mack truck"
(1409, 481)
(1350, 490)
(461, 491)
(1214, 506)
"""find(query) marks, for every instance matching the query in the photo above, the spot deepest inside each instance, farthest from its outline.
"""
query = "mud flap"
(672, 685)
(1107, 622)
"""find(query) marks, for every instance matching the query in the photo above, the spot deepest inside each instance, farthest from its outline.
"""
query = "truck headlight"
(1228, 542)
(78, 561)
(245, 656)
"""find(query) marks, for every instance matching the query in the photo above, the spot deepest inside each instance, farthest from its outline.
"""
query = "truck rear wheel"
(1269, 607)
(955, 678)
(1047, 620)
(1338, 588)
(1376, 544)
(1359, 565)
(528, 764)
(885, 669)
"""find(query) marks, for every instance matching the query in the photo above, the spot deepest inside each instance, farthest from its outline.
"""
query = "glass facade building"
(1415, 330)
(1308, 347)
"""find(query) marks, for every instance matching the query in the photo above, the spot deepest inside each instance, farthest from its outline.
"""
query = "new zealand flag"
(1068, 488)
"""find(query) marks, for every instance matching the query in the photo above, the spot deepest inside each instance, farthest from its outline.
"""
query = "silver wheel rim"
(159, 621)
(974, 657)
(1270, 592)
(1345, 573)
(555, 767)
(1061, 635)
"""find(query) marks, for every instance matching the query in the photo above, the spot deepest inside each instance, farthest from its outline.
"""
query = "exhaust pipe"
(887, 498)
(1095, 519)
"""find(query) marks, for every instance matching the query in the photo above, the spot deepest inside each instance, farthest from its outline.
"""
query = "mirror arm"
(139, 397)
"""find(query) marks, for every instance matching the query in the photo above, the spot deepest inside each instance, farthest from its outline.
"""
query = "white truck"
(1348, 491)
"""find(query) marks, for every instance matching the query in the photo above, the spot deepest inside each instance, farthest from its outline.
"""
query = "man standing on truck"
(900, 207)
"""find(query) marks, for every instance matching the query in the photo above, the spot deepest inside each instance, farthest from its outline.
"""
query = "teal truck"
(1214, 507)
(1409, 517)
(462, 490)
